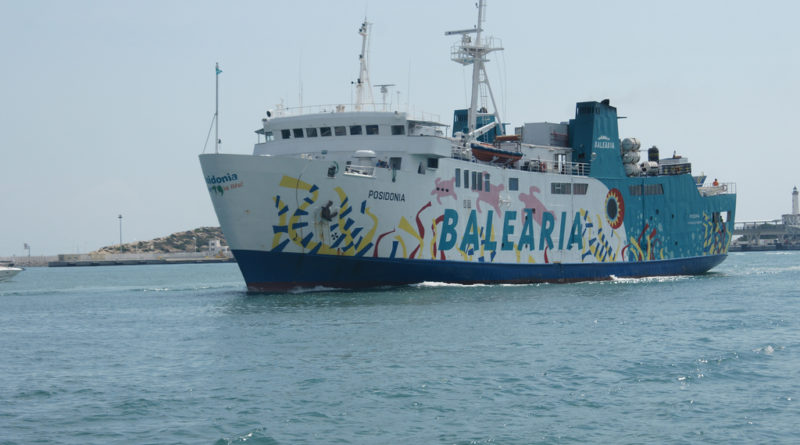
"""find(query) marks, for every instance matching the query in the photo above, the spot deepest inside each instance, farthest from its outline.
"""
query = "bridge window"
(486, 183)
(340, 131)
(286, 134)
(466, 179)
(398, 130)
(579, 189)
(355, 130)
(268, 136)
(298, 132)
(561, 188)
(372, 129)
(433, 162)
(325, 131)
(311, 132)
(458, 177)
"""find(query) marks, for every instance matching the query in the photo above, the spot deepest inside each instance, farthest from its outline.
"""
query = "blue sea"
(183, 354)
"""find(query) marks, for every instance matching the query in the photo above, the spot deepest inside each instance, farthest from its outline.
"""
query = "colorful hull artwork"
(391, 233)
(350, 198)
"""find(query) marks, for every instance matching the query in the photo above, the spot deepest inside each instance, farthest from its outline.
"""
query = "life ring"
(543, 166)
(724, 187)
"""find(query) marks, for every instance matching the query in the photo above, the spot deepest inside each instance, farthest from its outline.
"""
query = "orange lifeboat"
(490, 153)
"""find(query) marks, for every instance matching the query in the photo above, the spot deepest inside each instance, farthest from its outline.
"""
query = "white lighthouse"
(793, 219)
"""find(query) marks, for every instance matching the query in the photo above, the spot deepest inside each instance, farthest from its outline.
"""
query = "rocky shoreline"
(196, 240)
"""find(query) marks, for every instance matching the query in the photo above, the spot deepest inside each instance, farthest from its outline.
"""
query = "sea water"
(183, 354)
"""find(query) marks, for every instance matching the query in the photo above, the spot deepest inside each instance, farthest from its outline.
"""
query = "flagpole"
(216, 114)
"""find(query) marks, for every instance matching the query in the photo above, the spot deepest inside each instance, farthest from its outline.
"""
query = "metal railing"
(281, 111)
(754, 225)
(562, 168)
(726, 188)
(458, 151)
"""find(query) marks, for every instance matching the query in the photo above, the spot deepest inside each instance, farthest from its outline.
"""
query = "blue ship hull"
(269, 271)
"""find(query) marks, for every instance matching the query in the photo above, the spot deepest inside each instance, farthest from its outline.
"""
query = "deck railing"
(533, 165)
(562, 168)
(281, 111)
(726, 188)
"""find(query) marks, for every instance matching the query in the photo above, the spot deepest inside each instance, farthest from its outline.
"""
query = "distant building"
(778, 234)
(216, 248)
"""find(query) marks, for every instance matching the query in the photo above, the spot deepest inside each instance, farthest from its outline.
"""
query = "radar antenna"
(384, 91)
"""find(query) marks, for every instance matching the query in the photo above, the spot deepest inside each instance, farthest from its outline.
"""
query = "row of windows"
(567, 188)
(649, 189)
(342, 130)
(480, 181)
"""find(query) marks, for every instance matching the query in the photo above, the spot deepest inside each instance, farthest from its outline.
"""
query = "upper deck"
(349, 131)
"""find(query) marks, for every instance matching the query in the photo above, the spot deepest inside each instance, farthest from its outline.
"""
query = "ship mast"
(474, 53)
(216, 116)
(363, 87)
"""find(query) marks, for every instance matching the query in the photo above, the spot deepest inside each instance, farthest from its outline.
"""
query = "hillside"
(188, 241)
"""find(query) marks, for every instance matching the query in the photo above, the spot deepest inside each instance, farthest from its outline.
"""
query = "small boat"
(8, 272)
(495, 155)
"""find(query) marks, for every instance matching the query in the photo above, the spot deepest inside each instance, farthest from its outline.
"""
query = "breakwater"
(128, 259)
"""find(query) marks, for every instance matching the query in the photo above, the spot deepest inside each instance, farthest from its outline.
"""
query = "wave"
(442, 284)
(667, 279)
(258, 437)
(768, 350)
(308, 290)
(770, 270)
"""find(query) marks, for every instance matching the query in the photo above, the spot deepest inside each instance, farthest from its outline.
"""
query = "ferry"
(357, 196)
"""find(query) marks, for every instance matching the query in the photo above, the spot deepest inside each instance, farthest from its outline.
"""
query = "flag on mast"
(219, 71)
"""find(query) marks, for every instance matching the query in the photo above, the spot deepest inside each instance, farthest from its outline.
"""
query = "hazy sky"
(105, 105)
